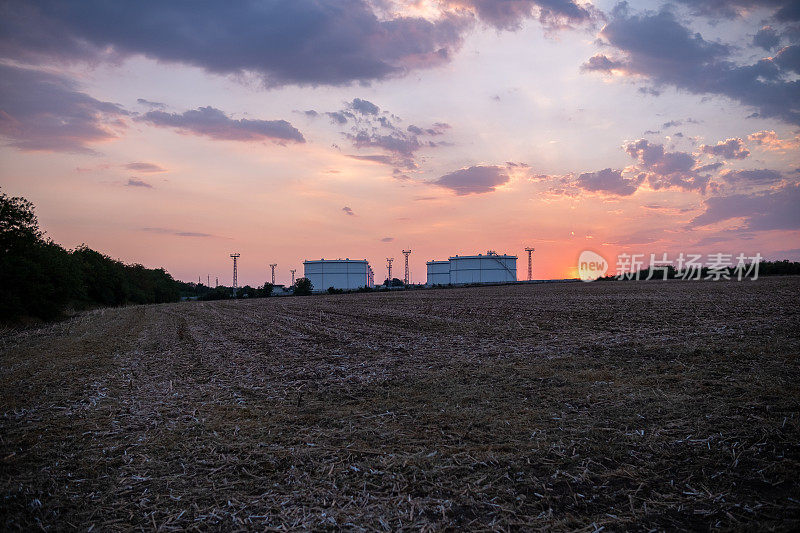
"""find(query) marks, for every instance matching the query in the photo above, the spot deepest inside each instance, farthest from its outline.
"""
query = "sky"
(172, 134)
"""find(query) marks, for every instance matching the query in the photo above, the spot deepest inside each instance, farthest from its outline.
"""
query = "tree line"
(42, 279)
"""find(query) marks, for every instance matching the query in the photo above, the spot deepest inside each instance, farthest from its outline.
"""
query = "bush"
(302, 287)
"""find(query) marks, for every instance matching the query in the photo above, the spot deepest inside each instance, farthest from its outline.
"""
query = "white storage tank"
(438, 272)
(489, 268)
(347, 274)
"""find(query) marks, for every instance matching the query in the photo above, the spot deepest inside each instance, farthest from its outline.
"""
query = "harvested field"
(669, 405)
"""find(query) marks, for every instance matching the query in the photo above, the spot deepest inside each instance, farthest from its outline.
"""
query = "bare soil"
(666, 405)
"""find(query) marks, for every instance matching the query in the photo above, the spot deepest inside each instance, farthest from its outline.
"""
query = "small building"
(345, 274)
(467, 269)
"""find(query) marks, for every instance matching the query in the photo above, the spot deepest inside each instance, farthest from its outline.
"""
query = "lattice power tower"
(272, 266)
(293, 270)
(406, 278)
(389, 266)
(530, 262)
(235, 257)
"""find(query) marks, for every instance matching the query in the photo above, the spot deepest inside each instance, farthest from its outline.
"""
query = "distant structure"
(235, 257)
(293, 270)
(272, 266)
(216, 282)
(345, 274)
(438, 272)
(467, 269)
(407, 277)
(389, 266)
(530, 262)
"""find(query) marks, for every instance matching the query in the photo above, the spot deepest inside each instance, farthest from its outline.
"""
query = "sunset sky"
(174, 133)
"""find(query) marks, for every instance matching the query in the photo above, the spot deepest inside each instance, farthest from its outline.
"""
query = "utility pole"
(293, 270)
(235, 257)
(389, 265)
(407, 277)
(530, 262)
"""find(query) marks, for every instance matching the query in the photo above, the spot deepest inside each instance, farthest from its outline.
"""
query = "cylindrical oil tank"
(347, 274)
(489, 268)
(438, 272)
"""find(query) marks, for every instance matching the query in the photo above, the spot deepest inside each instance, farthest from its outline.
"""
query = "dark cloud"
(339, 117)
(782, 9)
(658, 47)
(150, 104)
(375, 158)
(726, 235)
(474, 180)
(387, 239)
(772, 210)
(788, 58)
(509, 14)
(660, 169)
(165, 231)
(371, 127)
(667, 169)
(711, 167)
(136, 182)
(144, 167)
(306, 42)
(608, 181)
(439, 128)
(401, 146)
(675, 123)
(766, 38)
(727, 149)
(762, 176)
(649, 91)
(656, 159)
(46, 112)
(365, 107)
(348, 211)
(601, 63)
(310, 113)
(214, 123)
(789, 12)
